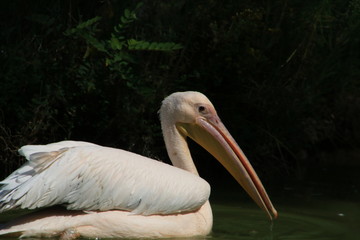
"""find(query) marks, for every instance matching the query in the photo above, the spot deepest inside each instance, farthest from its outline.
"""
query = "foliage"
(283, 74)
(80, 83)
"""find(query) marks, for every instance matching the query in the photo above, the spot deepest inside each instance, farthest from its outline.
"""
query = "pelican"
(111, 193)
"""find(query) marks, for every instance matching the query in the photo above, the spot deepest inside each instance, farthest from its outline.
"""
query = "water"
(325, 209)
(325, 205)
(324, 220)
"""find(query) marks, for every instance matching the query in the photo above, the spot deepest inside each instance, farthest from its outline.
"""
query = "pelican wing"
(85, 176)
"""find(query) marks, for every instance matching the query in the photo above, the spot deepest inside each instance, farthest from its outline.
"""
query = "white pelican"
(110, 193)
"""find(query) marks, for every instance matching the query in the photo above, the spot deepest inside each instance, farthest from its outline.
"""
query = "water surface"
(324, 220)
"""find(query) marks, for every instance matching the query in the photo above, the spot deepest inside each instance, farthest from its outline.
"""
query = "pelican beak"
(212, 135)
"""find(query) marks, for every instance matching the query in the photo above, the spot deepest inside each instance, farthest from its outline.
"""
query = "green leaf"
(115, 43)
(82, 26)
(127, 13)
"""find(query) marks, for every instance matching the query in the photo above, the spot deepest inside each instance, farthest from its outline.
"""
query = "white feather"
(85, 176)
(28, 150)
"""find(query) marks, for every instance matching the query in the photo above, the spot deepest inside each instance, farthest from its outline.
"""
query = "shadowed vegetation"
(284, 75)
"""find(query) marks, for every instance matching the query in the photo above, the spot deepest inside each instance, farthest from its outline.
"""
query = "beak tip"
(274, 214)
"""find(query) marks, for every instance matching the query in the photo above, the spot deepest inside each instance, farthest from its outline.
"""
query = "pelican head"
(191, 114)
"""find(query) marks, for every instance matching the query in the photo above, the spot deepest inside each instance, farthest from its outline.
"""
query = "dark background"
(284, 76)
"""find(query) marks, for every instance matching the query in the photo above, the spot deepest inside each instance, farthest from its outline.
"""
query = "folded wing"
(85, 176)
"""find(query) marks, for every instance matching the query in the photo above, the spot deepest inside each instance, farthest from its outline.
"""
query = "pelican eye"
(202, 109)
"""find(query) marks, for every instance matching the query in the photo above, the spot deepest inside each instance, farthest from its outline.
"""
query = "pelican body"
(111, 193)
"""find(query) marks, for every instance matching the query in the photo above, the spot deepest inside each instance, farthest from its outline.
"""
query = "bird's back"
(85, 176)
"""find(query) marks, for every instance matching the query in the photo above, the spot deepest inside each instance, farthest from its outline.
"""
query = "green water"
(312, 211)
(324, 220)
(325, 205)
